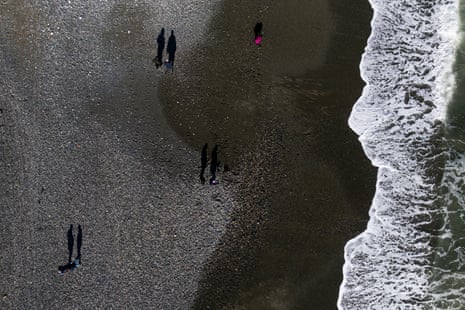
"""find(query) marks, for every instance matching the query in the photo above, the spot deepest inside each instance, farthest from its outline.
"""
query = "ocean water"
(411, 124)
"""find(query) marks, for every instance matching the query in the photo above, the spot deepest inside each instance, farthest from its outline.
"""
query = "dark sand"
(279, 114)
(85, 141)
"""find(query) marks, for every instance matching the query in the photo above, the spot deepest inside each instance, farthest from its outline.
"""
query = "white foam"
(407, 66)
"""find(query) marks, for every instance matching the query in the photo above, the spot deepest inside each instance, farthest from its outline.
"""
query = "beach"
(93, 134)
(315, 185)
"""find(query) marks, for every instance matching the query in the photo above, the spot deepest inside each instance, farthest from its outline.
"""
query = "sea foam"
(407, 67)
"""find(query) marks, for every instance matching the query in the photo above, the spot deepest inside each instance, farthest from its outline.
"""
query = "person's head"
(172, 32)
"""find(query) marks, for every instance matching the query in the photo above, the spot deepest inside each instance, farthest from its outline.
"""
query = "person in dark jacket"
(70, 266)
(171, 49)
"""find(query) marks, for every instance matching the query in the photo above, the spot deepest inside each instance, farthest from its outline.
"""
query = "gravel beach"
(91, 133)
(85, 141)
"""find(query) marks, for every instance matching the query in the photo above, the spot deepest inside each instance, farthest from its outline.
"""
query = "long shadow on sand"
(70, 242)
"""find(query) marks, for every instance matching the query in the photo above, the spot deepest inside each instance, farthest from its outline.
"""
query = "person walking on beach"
(258, 33)
(171, 49)
(71, 265)
(203, 162)
(160, 47)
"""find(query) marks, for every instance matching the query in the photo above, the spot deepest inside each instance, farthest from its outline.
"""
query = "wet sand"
(279, 114)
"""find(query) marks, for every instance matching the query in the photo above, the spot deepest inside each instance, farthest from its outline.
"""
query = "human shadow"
(203, 162)
(70, 242)
(214, 165)
(258, 33)
(171, 49)
(79, 243)
(160, 47)
(72, 264)
(258, 29)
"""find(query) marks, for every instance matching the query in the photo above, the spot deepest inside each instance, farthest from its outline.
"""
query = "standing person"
(171, 49)
(258, 33)
(160, 48)
(72, 265)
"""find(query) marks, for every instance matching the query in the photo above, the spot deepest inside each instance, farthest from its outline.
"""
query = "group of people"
(214, 163)
(169, 63)
(170, 49)
(171, 46)
(72, 264)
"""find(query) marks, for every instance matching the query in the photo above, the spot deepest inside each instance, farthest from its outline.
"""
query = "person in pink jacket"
(258, 33)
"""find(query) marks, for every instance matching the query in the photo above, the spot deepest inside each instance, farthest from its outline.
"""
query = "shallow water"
(401, 121)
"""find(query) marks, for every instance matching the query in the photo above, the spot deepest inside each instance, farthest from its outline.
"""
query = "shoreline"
(285, 245)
